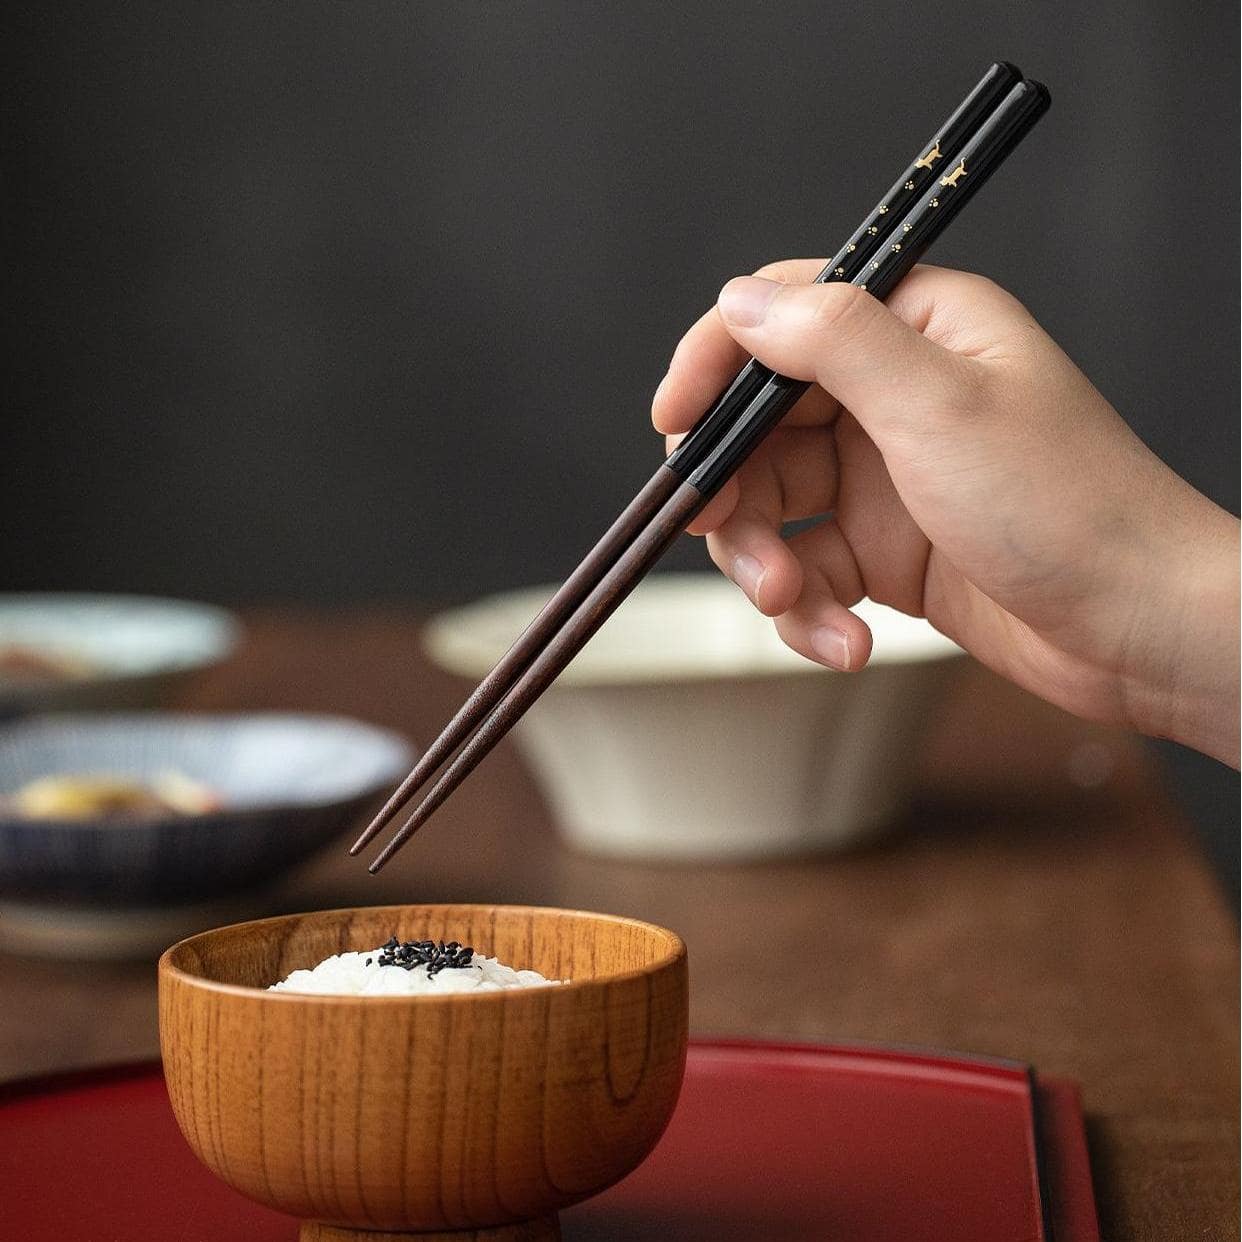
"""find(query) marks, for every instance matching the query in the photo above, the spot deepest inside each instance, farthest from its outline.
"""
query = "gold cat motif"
(955, 176)
(930, 158)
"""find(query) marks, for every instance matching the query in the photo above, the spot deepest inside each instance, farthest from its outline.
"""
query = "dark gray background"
(341, 301)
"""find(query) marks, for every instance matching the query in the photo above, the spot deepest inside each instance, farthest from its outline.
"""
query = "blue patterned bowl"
(132, 650)
(289, 784)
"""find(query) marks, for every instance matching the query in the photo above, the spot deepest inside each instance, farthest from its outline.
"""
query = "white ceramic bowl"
(134, 650)
(686, 728)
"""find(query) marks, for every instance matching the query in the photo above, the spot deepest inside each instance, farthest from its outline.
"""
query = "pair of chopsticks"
(971, 144)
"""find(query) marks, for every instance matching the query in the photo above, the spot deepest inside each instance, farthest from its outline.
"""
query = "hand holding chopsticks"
(971, 144)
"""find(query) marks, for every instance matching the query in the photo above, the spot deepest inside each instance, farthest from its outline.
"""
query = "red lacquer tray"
(770, 1143)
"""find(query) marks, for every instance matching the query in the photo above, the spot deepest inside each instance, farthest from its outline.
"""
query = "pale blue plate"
(290, 784)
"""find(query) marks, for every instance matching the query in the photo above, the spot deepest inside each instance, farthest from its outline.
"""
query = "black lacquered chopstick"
(939, 151)
(981, 155)
(859, 249)
(925, 221)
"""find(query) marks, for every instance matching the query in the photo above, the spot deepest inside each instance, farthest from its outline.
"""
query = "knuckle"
(783, 270)
(976, 285)
(838, 308)
(984, 291)
(792, 271)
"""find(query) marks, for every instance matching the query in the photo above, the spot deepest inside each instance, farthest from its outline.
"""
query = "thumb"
(893, 379)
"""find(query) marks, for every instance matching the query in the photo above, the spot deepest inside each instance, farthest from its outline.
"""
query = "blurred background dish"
(66, 651)
(686, 729)
(116, 877)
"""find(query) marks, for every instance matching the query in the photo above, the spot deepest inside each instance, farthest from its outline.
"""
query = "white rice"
(348, 974)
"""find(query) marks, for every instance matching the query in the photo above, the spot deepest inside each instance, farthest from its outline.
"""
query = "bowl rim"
(441, 639)
(224, 633)
(676, 953)
(105, 722)
(226, 626)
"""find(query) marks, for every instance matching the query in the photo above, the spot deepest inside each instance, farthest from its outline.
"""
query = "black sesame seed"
(434, 955)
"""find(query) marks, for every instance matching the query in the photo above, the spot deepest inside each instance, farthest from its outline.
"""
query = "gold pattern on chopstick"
(840, 271)
(955, 176)
(930, 158)
(909, 185)
(883, 208)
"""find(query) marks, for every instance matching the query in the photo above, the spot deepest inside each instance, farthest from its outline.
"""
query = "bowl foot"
(545, 1229)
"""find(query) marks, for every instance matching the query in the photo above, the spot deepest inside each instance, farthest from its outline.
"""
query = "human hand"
(975, 477)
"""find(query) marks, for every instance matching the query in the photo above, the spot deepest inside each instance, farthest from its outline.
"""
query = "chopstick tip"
(371, 831)
(399, 840)
(361, 844)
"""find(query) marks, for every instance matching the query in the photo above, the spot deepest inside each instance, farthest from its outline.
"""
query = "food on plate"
(24, 665)
(90, 796)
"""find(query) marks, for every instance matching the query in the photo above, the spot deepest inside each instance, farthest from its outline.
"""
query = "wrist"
(1190, 691)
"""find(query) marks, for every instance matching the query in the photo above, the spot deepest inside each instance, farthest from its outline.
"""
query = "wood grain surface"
(1043, 901)
(426, 1113)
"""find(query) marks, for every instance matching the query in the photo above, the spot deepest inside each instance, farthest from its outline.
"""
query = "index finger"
(707, 358)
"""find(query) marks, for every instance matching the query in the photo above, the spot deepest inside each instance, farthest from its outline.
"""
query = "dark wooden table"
(1017, 912)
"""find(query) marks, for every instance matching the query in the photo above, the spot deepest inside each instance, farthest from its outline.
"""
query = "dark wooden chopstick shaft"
(599, 605)
(553, 615)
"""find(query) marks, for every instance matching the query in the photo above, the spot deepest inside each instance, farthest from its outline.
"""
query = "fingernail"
(831, 646)
(744, 301)
(748, 574)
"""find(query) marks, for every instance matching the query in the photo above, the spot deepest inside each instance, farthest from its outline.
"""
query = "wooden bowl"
(426, 1115)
